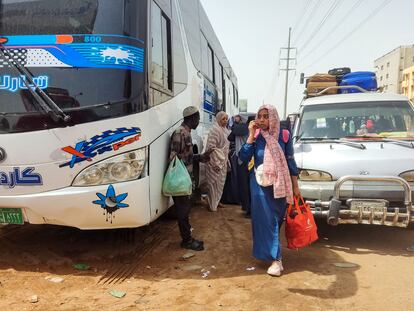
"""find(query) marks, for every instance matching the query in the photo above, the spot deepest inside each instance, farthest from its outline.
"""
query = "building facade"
(407, 85)
(390, 67)
(243, 105)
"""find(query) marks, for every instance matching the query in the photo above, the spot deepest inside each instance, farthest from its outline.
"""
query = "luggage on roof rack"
(364, 79)
(322, 77)
(319, 82)
(339, 72)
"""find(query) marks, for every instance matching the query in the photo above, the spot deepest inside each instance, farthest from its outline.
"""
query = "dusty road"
(147, 265)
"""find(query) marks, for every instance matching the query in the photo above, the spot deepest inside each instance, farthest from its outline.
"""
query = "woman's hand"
(296, 191)
(252, 130)
(217, 169)
(295, 186)
(252, 127)
(205, 157)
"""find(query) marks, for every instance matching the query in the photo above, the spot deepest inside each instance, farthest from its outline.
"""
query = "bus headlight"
(311, 175)
(125, 167)
(408, 176)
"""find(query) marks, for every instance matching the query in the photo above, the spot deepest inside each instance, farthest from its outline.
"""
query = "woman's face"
(263, 119)
(223, 120)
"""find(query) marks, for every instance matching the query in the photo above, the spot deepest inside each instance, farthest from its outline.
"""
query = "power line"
(328, 14)
(302, 15)
(274, 81)
(342, 40)
(303, 29)
(345, 17)
(287, 70)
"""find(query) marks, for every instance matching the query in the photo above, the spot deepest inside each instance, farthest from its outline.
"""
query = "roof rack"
(362, 90)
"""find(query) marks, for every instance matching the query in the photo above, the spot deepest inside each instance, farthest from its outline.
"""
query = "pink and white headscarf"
(275, 166)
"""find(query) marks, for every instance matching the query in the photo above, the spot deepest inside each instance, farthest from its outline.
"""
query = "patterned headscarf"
(224, 130)
(220, 115)
(275, 166)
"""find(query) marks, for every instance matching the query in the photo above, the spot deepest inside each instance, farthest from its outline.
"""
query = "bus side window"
(180, 73)
(161, 64)
(224, 83)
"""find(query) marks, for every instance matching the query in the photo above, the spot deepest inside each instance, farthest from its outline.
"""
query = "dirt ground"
(146, 264)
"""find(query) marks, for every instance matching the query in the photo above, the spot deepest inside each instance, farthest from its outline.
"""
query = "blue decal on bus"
(99, 144)
(110, 55)
(209, 99)
(61, 51)
(55, 39)
(111, 202)
(208, 107)
(13, 84)
(16, 177)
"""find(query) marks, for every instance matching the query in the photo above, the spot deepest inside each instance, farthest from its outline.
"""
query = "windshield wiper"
(408, 144)
(351, 144)
(42, 99)
(317, 138)
(335, 140)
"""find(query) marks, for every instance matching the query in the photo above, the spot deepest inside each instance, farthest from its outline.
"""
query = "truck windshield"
(86, 55)
(387, 119)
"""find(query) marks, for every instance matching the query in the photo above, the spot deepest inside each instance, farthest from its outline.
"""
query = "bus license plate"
(12, 216)
(367, 206)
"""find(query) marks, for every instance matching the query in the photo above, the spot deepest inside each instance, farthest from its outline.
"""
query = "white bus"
(90, 93)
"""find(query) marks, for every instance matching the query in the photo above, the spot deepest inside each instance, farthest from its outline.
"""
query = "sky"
(327, 34)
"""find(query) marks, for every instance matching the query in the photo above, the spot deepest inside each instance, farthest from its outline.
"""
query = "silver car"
(356, 154)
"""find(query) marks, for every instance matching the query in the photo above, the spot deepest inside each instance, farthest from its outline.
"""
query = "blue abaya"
(267, 212)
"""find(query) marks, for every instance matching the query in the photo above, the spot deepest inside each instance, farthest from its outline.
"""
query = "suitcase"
(322, 77)
(364, 79)
(315, 87)
(339, 72)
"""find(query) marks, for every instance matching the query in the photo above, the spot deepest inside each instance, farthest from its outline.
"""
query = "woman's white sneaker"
(275, 269)
(280, 265)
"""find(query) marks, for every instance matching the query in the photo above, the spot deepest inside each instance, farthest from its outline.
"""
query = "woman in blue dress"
(273, 183)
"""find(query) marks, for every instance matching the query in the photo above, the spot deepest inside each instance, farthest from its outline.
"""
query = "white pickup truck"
(356, 155)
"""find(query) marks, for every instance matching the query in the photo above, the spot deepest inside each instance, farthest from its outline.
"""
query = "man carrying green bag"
(177, 180)
(182, 148)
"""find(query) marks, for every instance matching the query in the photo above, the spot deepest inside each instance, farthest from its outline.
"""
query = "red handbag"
(301, 228)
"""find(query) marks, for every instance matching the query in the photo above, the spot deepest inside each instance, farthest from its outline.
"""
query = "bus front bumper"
(95, 207)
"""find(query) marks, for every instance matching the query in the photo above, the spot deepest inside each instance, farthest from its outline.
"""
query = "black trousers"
(183, 207)
(231, 192)
(244, 186)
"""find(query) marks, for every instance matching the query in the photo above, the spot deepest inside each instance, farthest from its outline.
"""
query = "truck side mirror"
(293, 118)
(302, 78)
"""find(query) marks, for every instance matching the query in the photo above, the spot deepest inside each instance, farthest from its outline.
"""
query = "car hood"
(379, 158)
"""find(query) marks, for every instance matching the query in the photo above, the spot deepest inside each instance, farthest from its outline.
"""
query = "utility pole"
(288, 68)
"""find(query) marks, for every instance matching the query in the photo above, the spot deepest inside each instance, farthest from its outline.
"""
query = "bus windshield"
(86, 55)
(388, 119)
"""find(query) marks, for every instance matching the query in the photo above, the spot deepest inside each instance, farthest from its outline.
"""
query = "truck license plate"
(12, 216)
(368, 205)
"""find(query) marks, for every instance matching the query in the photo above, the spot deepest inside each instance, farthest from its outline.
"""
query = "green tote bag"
(177, 180)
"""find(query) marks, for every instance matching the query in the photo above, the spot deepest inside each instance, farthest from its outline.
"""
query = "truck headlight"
(311, 175)
(125, 167)
(408, 176)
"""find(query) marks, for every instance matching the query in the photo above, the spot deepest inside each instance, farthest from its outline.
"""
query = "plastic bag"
(177, 181)
(300, 227)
